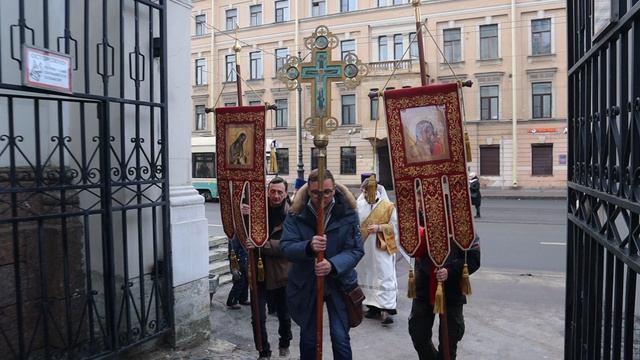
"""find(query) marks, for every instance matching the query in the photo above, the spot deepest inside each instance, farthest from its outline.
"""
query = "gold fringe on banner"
(260, 268)
(411, 288)
(438, 306)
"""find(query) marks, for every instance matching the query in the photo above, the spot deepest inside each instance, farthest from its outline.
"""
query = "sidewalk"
(511, 315)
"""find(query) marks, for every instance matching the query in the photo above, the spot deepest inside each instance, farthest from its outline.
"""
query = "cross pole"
(321, 72)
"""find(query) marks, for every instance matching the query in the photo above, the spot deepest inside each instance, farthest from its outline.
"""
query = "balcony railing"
(403, 66)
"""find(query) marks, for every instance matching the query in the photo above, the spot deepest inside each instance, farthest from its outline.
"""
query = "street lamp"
(299, 125)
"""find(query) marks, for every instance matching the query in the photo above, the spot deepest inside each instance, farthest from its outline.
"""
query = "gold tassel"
(235, 266)
(260, 268)
(249, 269)
(438, 306)
(467, 146)
(411, 288)
(465, 283)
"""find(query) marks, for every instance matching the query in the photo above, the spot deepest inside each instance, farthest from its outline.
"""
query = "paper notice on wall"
(46, 69)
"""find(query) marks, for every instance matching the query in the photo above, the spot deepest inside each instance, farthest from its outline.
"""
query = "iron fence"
(602, 317)
(84, 193)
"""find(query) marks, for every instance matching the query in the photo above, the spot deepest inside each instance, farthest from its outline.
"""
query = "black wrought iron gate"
(84, 202)
(602, 315)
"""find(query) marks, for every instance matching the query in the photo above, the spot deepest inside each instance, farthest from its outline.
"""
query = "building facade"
(513, 51)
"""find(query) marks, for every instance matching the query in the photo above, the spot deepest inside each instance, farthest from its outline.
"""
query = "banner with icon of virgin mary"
(426, 142)
(240, 162)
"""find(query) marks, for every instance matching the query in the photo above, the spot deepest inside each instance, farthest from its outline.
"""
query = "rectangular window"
(348, 109)
(256, 15)
(203, 165)
(383, 3)
(383, 54)
(373, 107)
(489, 41)
(314, 158)
(255, 102)
(232, 18)
(399, 2)
(490, 160)
(230, 67)
(232, 103)
(413, 46)
(282, 113)
(347, 160)
(318, 8)
(347, 46)
(282, 155)
(282, 11)
(201, 118)
(201, 71)
(541, 100)
(281, 57)
(452, 45)
(541, 159)
(489, 102)
(347, 5)
(397, 47)
(201, 25)
(255, 60)
(541, 37)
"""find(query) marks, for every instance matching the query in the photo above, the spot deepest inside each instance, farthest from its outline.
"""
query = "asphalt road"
(516, 235)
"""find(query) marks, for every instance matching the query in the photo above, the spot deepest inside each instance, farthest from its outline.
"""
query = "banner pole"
(251, 256)
(444, 327)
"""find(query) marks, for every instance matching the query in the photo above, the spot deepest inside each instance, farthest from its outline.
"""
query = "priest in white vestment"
(377, 269)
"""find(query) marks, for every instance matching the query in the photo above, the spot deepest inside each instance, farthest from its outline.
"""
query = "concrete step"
(225, 279)
(217, 254)
(217, 241)
(219, 267)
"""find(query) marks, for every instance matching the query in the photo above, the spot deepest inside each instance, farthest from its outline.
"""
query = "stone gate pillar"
(189, 240)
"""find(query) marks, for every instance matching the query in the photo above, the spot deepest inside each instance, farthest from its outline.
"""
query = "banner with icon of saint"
(240, 161)
(426, 142)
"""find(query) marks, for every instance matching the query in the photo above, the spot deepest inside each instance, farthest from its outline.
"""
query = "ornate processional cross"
(321, 72)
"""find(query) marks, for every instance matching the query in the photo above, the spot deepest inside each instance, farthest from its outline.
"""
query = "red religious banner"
(240, 170)
(426, 142)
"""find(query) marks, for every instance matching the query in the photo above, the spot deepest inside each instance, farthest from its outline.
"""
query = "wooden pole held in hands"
(251, 257)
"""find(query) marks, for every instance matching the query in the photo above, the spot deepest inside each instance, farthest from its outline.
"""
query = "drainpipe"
(514, 98)
(212, 68)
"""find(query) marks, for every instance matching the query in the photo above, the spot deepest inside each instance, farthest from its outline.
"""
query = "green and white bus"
(203, 167)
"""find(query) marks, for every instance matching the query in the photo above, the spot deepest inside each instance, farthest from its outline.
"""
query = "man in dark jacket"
(422, 316)
(276, 268)
(343, 249)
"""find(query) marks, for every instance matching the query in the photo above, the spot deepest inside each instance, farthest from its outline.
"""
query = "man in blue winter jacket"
(343, 249)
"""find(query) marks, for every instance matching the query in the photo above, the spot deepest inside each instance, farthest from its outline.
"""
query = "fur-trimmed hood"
(302, 197)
